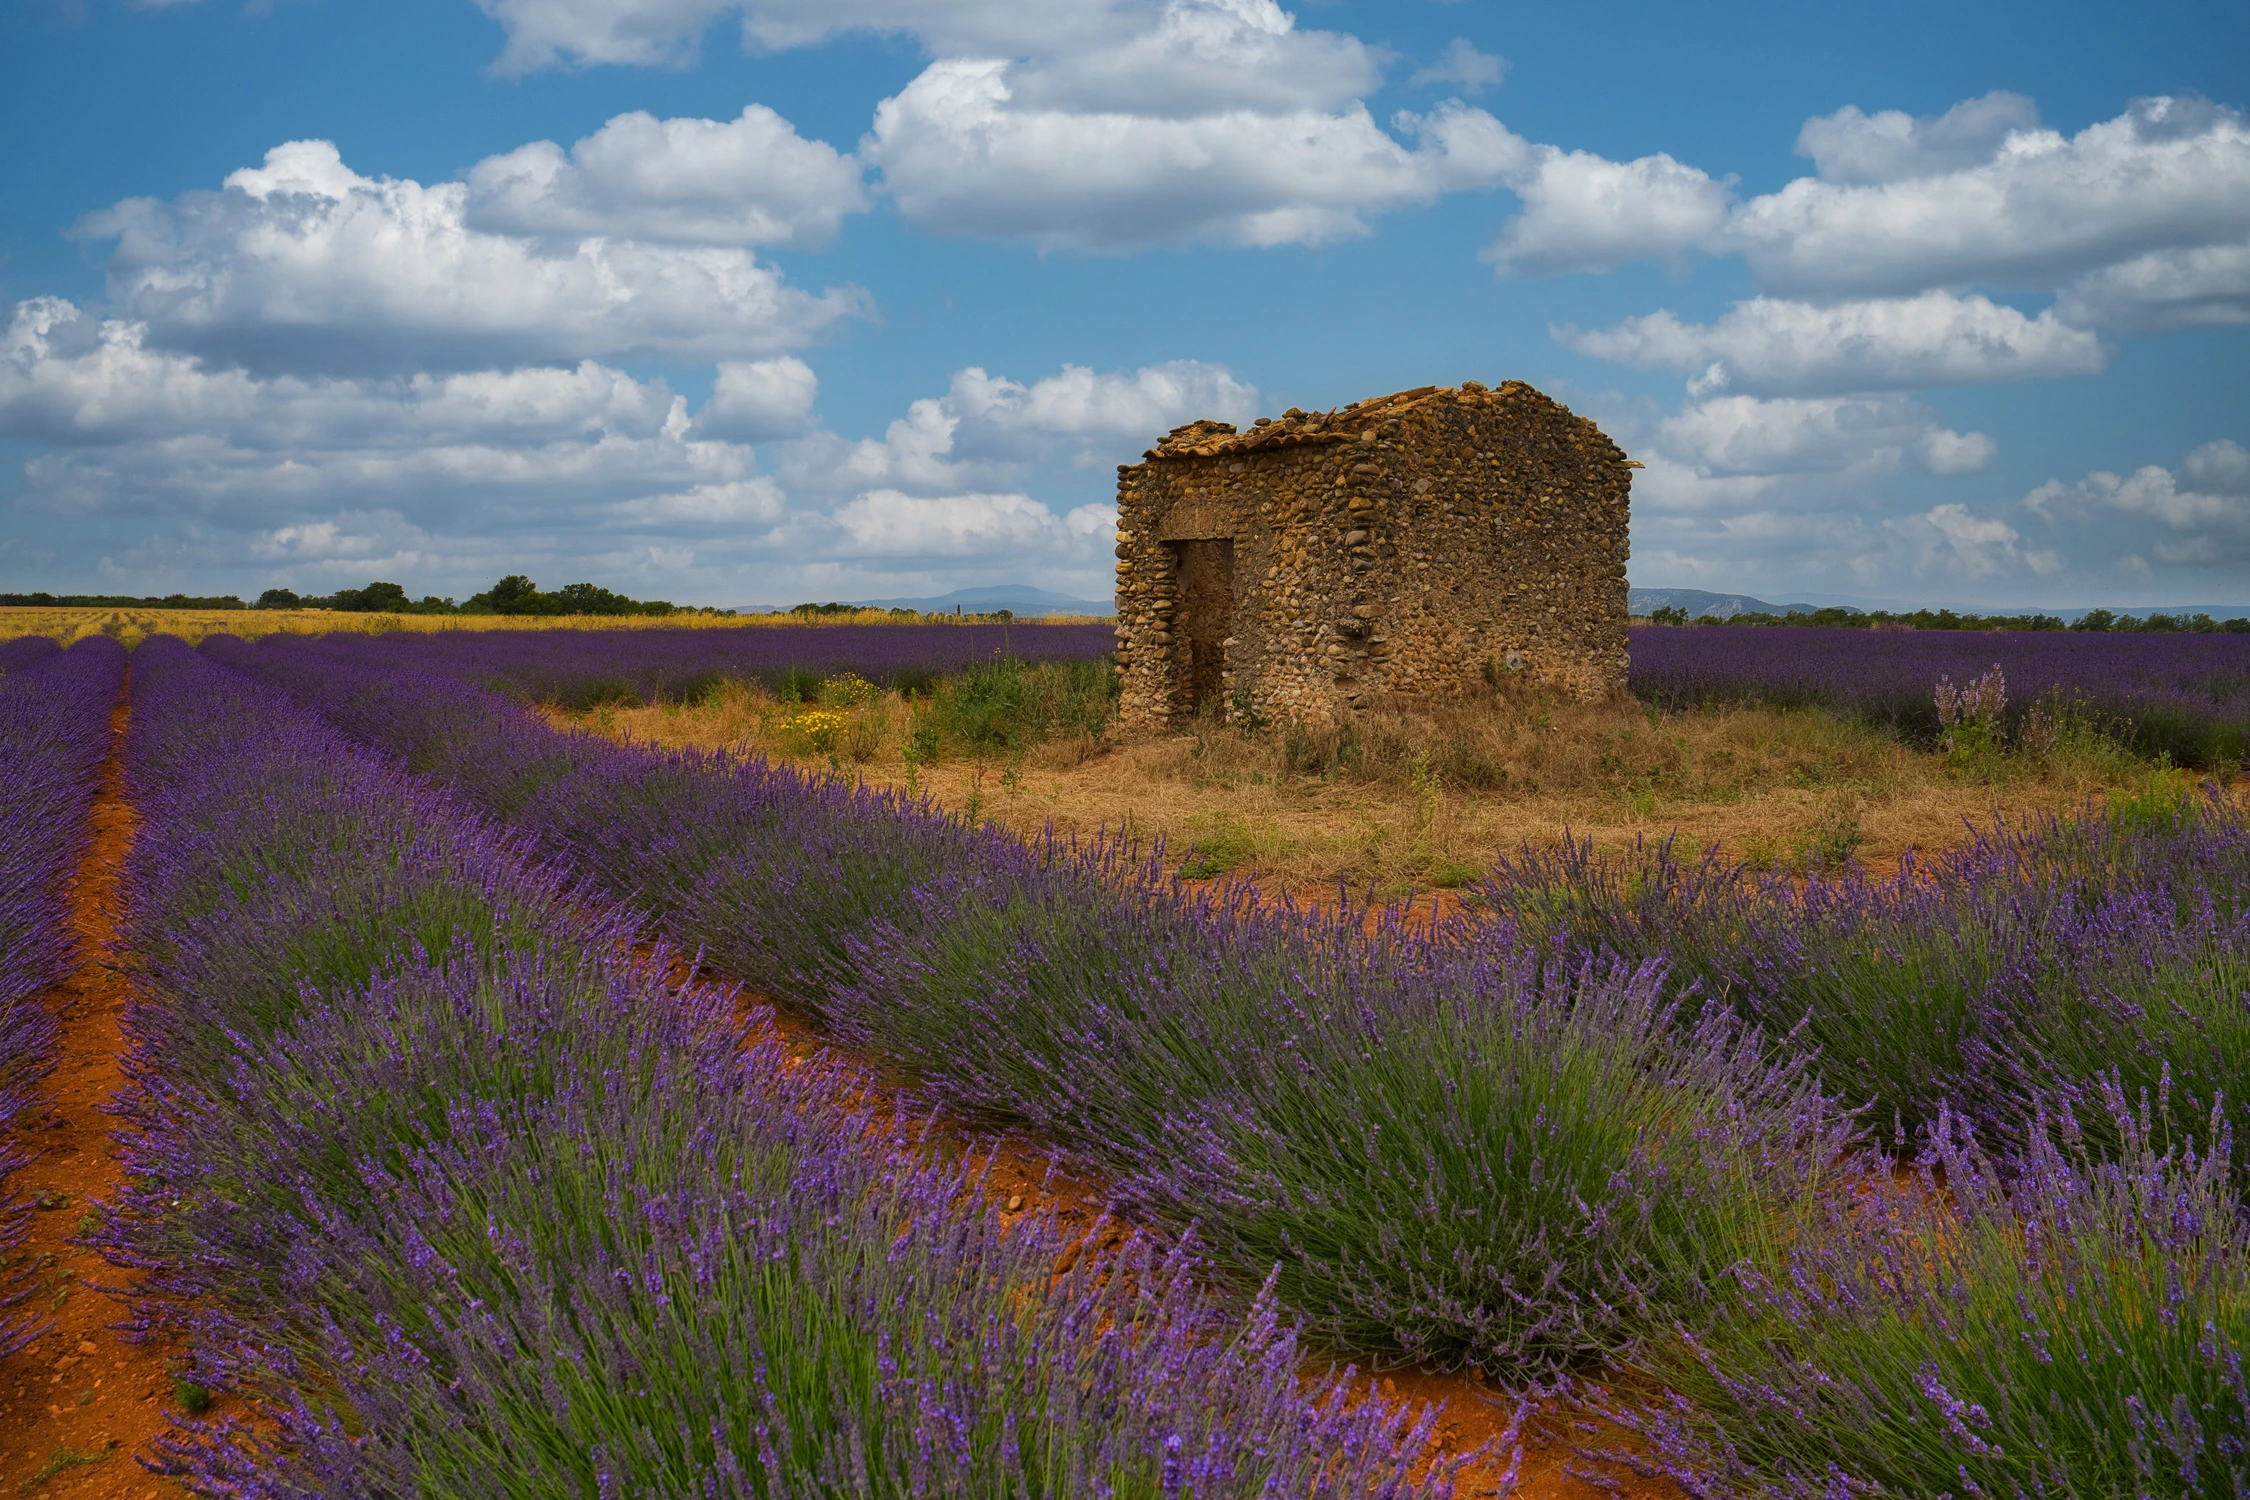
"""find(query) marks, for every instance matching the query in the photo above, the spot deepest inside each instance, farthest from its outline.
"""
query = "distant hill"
(1698, 603)
(1020, 598)
(1030, 602)
(2179, 611)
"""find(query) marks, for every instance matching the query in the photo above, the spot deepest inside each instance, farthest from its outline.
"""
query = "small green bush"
(1009, 704)
(797, 685)
(914, 681)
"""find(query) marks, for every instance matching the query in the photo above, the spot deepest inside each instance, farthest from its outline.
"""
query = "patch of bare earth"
(77, 1405)
(1424, 800)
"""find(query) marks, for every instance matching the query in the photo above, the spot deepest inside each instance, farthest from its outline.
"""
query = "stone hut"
(1421, 544)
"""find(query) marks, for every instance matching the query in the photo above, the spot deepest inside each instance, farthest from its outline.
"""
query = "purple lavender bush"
(581, 668)
(54, 736)
(1454, 1153)
(471, 1204)
(1448, 1153)
(20, 652)
(2182, 696)
(2065, 1327)
(798, 862)
(2002, 980)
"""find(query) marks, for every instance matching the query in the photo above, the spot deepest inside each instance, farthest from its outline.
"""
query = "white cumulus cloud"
(2222, 468)
(1462, 64)
(1124, 410)
(68, 379)
(304, 264)
(751, 180)
(1952, 541)
(762, 398)
(133, 429)
(1098, 125)
(666, 33)
(442, 480)
(1190, 58)
(1979, 195)
(1941, 450)
(1140, 56)
(1773, 345)
(756, 501)
(1867, 435)
(959, 152)
(892, 524)
(1583, 212)
(986, 427)
(2205, 521)
(2165, 174)
(1893, 146)
(2205, 287)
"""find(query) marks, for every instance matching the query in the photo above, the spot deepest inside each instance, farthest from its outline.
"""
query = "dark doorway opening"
(1204, 614)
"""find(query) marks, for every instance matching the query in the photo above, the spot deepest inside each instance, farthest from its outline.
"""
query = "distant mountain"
(1028, 601)
(1699, 603)
(1988, 607)
(1019, 598)
(2181, 611)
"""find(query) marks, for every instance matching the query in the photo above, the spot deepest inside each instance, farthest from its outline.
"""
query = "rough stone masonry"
(1422, 544)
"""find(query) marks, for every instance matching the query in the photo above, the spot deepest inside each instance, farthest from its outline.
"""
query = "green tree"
(376, 598)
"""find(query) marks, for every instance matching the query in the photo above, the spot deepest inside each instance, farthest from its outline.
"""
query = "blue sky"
(730, 302)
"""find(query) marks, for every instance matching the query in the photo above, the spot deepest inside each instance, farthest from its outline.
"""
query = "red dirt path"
(81, 1389)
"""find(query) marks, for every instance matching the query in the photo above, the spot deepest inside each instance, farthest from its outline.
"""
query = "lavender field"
(1805, 1185)
(641, 666)
(2186, 697)
(2182, 696)
(473, 1204)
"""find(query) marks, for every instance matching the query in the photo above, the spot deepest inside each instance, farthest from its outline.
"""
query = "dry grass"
(1413, 801)
(132, 626)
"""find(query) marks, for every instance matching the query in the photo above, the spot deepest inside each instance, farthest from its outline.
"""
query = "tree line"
(512, 595)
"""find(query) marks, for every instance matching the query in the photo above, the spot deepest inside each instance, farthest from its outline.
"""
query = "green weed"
(2155, 803)
(64, 1459)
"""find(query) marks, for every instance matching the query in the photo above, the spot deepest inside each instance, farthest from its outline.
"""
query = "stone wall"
(1417, 545)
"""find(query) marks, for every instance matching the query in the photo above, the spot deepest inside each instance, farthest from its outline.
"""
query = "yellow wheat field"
(132, 626)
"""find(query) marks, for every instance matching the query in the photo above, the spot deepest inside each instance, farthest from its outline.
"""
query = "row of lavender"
(582, 668)
(2004, 981)
(475, 1205)
(2065, 1317)
(2186, 696)
(54, 736)
(1465, 1146)
(1450, 1151)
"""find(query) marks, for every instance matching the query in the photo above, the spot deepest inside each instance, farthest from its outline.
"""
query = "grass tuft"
(63, 1460)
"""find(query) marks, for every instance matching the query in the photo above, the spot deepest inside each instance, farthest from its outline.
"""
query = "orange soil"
(81, 1389)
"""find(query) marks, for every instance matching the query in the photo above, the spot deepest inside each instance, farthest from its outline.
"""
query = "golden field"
(1423, 800)
(132, 626)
